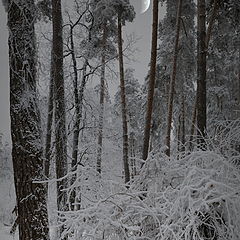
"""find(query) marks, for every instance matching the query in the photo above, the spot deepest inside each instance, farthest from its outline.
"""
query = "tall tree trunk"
(239, 72)
(201, 72)
(78, 96)
(78, 100)
(238, 91)
(102, 96)
(151, 86)
(208, 36)
(173, 79)
(123, 102)
(27, 145)
(60, 114)
(76, 127)
(48, 144)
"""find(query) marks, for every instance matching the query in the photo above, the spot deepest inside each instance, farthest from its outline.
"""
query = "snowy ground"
(5, 235)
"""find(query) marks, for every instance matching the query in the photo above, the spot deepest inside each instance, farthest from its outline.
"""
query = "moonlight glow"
(145, 5)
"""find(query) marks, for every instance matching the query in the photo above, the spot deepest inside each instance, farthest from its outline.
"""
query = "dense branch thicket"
(192, 197)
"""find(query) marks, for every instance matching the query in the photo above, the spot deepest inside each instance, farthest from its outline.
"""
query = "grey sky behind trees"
(141, 27)
(4, 75)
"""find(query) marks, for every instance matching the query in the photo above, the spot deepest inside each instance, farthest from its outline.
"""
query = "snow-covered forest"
(157, 158)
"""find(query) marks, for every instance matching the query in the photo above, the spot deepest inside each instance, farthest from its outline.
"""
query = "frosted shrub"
(193, 197)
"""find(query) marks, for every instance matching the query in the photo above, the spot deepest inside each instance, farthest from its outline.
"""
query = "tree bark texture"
(60, 114)
(123, 103)
(151, 85)
(239, 71)
(173, 80)
(27, 145)
(48, 143)
(102, 96)
(201, 71)
(207, 40)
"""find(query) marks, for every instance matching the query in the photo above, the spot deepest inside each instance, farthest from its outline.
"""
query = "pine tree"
(27, 146)
(223, 58)
(133, 106)
(102, 13)
(124, 12)
(201, 71)
(78, 92)
(60, 114)
(185, 69)
(123, 101)
(151, 81)
(48, 143)
(173, 78)
(106, 13)
(102, 96)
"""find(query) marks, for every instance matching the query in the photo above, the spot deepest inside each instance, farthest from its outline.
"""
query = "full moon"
(145, 5)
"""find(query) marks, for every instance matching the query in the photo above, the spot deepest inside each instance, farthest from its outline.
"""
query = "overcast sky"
(4, 79)
(141, 27)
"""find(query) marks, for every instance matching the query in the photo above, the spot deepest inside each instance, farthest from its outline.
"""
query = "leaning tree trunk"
(102, 96)
(173, 79)
(201, 72)
(123, 102)
(27, 145)
(151, 85)
(60, 115)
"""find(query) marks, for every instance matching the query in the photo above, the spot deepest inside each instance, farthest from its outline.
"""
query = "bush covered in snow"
(191, 196)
